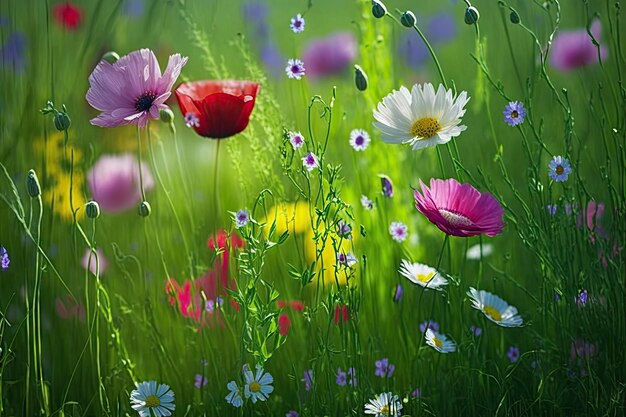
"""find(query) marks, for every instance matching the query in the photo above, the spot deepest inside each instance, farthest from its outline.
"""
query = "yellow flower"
(296, 218)
(57, 195)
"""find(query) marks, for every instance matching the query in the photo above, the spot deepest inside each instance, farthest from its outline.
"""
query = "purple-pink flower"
(114, 182)
(460, 209)
(573, 49)
(513, 354)
(308, 379)
(88, 262)
(330, 55)
(132, 90)
(383, 368)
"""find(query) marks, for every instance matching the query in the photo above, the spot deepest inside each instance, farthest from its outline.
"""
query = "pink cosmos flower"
(114, 182)
(132, 90)
(331, 55)
(89, 261)
(459, 209)
(573, 49)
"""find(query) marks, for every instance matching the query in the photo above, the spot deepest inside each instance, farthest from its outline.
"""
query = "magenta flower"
(114, 182)
(88, 262)
(330, 55)
(573, 49)
(132, 90)
(459, 209)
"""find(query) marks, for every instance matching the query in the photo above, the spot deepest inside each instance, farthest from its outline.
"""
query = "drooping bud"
(360, 78)
(93, 209)
(408, 19)
(514, 16)
(144, 209)
(167, 116)
(62, 121)
(471, 15)
(378, 9)
(111, 57)
(32, 184)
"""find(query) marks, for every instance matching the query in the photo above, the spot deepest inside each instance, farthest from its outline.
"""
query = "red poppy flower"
(341, 312)
(283, 324)
(68, 15)
(217, 109)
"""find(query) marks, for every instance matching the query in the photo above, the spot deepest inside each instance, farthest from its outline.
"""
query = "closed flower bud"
(514, 17)
(32, 184)
(144, 209)
(167, 116)
(62, 121)
(111, 57)
(408, 19)
(360, 78)
(471, 15)
(93, 209)
(378, 9)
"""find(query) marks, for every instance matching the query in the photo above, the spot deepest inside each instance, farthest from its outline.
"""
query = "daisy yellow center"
(437, 342)
(255, 387)
(425, 127)
(455, 219)
(152, 401)
(384, 410)
(492, 312)
(425, 278)
(559, 169)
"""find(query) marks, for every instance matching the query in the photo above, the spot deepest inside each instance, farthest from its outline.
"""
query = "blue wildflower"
(559, 169)
(514, 113)
(4, 259)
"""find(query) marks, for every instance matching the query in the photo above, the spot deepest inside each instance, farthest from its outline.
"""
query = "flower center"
(425, 278)
(144, 102)
(295, 69)
(384, 410)
(455, 219)
(359, 140)
(425, 127)
(514, 114)
(492, 312)
(255, 387)
(559, 169)
(437, 342)
(152, 401)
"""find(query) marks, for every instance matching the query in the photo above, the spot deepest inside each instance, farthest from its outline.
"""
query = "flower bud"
(514, 16)
(144, 209)
(378, 9)
(32, 184)
(408, 19)
(93, 209)
(111, 57)
(167, 116)
(471, 15)
(360, 78)
(62, 121)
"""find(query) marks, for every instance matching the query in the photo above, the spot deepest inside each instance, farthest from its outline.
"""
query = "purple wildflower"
(4, 259)
(191, 120)
(398, 231)
(242, 218)
(297, 24)
(352, 377)
(386, 185)
(295, 69)
(12, 52)
(441, 28)
(331, 55)
(296, 139)
(359, 139)
(201, 381)
(341, 377)
(292, 413)
(581, 299)
(384, 369)
(552, 209)
(132, 90)
(308, 379)
(514, 113)
(416, 393)
(572, 49)
(310, 161)
(133, 8)
(476, 331)
(367, 203)
(432, 325)
(346, 259)
(344, 230)
(412, 49)
(513, 354)
(559, 169)
(397, 296)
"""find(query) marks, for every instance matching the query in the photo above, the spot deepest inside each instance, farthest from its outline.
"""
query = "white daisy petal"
(495, 308)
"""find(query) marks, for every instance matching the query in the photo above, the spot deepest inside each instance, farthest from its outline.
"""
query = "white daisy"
(258, 387)
(495, 308)
(423, 275)
(295, 69)
(473, 252)
(234, 396)
(420, 117)
(359, 139)
(439, 342)
(150, 397)
(296, 139)
(384, 405)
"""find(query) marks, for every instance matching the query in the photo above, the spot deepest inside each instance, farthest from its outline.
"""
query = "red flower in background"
(283, 324)
(68, 15)
(217, 109)
(341, 311)
(191, 295)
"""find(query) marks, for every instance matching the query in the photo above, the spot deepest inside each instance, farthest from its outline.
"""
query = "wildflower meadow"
(311, 208)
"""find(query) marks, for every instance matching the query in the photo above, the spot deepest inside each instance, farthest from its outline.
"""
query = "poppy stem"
(216, 184)
(143, 193)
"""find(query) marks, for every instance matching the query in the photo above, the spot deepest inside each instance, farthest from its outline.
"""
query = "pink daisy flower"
(459, 209)
(132, 90)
